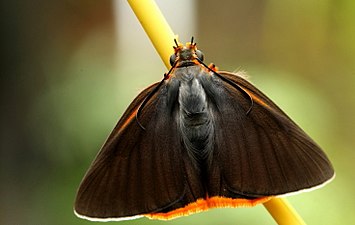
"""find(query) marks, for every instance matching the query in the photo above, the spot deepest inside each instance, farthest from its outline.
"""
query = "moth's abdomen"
(195, 121)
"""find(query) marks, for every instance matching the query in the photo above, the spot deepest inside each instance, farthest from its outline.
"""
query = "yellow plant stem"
(282, 212)
(156, 27)
(162, 37)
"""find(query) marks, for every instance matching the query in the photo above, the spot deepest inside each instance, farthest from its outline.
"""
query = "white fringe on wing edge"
(307, 189)
(107, 219)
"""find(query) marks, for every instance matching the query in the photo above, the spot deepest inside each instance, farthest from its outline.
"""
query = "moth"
(198, 139)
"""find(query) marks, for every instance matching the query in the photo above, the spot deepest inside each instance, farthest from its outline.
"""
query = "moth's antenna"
(192, 40)
(177, 45)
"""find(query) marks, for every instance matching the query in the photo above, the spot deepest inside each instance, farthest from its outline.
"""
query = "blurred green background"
(70, 68)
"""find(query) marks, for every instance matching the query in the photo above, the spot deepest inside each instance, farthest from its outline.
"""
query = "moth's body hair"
(195, 119)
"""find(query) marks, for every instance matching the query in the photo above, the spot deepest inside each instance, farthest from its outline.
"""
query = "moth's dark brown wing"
(137, 171)
(263, 153)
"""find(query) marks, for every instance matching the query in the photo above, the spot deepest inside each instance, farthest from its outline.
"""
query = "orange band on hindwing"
(204, 204)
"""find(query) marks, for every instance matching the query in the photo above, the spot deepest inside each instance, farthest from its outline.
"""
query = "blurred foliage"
(64, 85)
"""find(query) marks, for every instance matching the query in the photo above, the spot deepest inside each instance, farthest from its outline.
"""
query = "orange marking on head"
(209, 203)
(178, 48)
(196, 61)
(191, 46)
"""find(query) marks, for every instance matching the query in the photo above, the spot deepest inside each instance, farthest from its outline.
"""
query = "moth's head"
(186, 55)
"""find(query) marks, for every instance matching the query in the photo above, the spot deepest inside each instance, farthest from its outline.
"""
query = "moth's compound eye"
(172, 59)
(199, 55)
